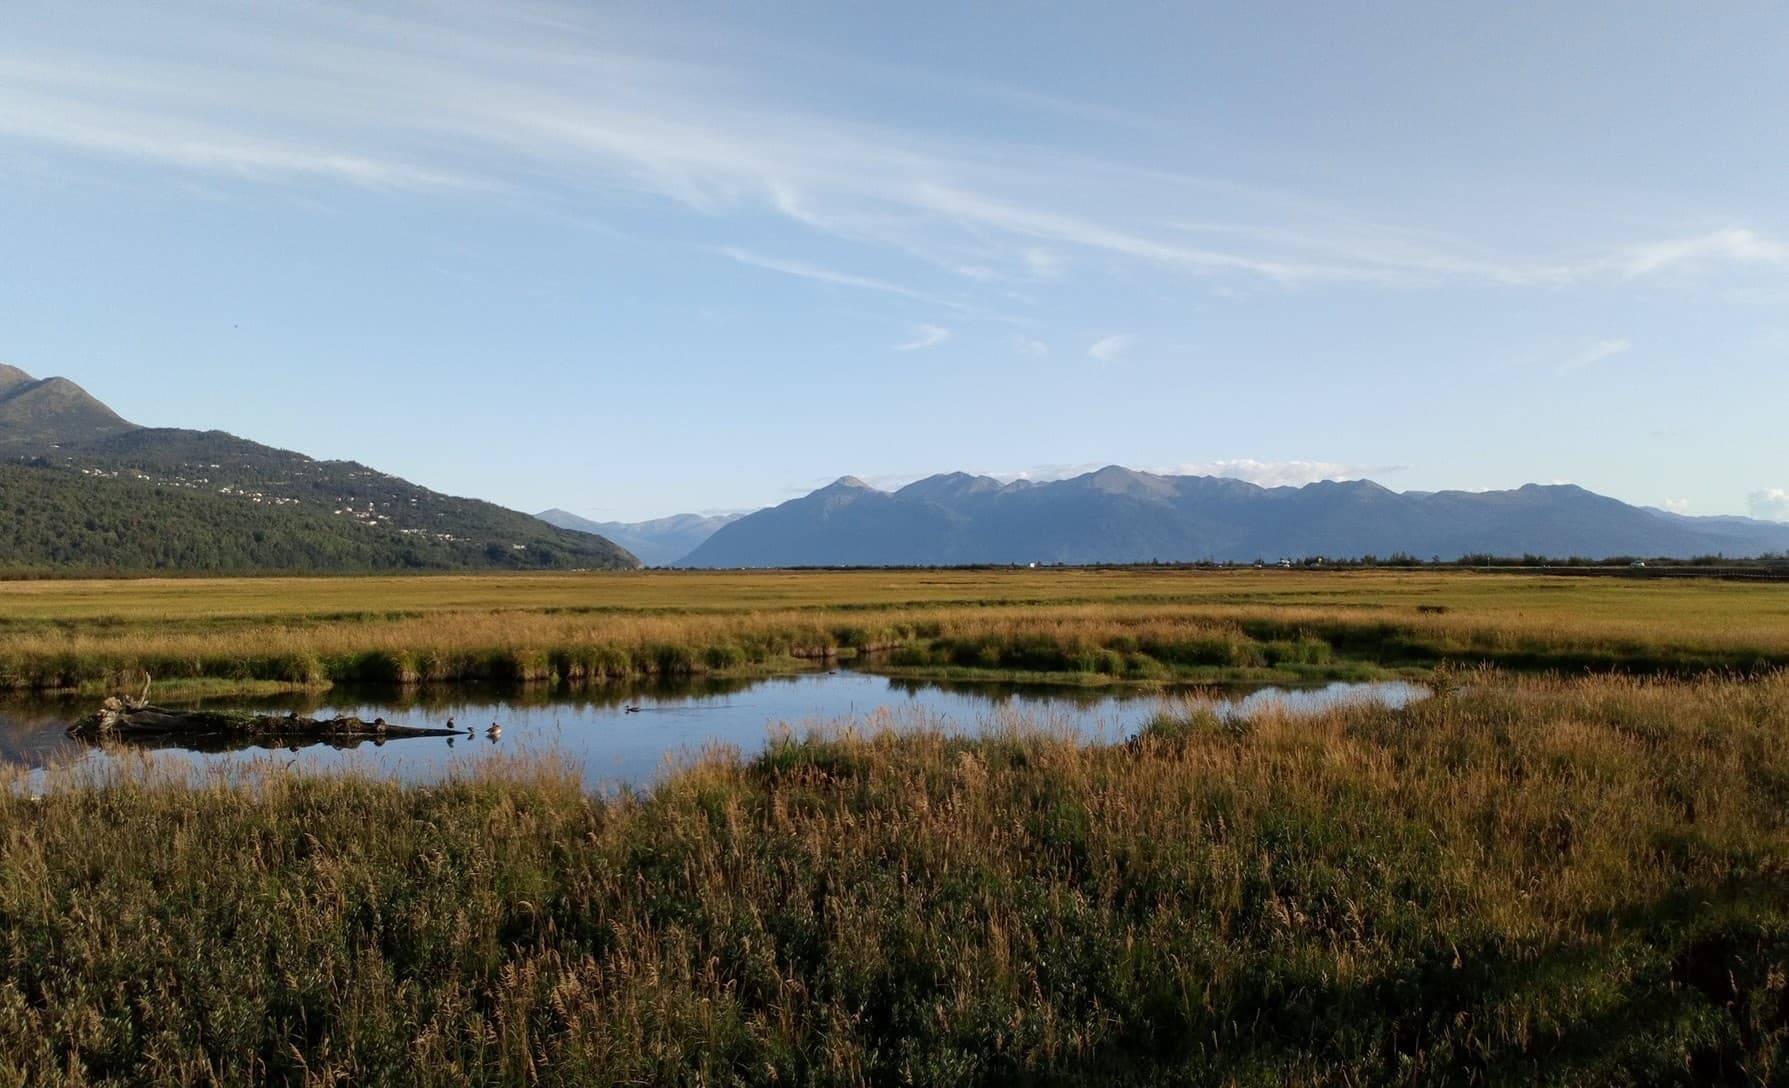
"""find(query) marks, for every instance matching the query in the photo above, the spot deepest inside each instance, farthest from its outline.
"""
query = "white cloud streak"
(821, 274)
(1594, 353)
(566, 105)
(206, 147)
(1734, 244)
(925, 336)
(1108, 348)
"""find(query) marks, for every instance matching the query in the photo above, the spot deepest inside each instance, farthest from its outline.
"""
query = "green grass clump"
(1520, 881)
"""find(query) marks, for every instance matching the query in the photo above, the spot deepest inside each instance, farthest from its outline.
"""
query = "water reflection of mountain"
(1004, 692)
(1084, 698)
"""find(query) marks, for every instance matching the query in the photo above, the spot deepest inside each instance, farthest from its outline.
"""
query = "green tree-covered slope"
(55, 518)
(81, 488)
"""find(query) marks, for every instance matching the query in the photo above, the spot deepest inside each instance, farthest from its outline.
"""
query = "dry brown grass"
(1522, 881)
(311, 631)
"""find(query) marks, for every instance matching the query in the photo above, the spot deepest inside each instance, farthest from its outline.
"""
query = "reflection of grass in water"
(441, 699)
(1084, 627)
(1580, 881)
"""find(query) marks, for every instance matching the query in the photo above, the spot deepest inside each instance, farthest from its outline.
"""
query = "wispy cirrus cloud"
(925, 336)
(1108, 348)
(821, 274)
(1596, 352)
(1729, 244)
(572, 105)
(195, 144)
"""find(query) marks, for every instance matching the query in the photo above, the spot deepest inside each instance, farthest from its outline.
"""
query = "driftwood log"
(139, 722)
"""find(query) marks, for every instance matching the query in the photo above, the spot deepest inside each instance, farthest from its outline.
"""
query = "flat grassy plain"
(1522, 880)
(1572, 868)
(1084, 626)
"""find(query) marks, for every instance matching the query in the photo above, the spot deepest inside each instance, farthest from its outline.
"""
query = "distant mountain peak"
(1354, 487)
(658, 542)
(848, 483)
(1121, 480)
(36, 414)
(950, 485)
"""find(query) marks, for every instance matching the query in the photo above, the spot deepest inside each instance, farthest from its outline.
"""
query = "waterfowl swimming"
(450, 724)
(630, 709)
(494, 731)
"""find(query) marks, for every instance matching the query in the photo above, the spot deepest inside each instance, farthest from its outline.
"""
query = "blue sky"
(638, 259)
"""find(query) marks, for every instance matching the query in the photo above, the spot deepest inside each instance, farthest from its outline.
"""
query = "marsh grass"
(1522, 880)
(1081, 626)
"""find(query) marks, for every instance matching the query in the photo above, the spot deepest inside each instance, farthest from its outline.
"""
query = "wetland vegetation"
(1084, 626)
(1522, 880)
(1572, 868)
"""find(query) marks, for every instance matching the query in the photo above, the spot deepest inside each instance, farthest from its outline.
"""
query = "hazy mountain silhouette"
(73, 461)
(1117, 515)
(659, 542)
(847, 517)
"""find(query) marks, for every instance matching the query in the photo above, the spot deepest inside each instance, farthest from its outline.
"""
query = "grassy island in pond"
(1082, 626)
(1580, 881)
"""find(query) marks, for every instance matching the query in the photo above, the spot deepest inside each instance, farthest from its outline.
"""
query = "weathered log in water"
(135, 721)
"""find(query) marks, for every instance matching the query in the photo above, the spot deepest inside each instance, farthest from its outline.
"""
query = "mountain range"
(659, 542)
(1118, 515)
(81, 487)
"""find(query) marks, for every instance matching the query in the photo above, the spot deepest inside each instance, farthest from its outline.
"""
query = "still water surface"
(594, 729)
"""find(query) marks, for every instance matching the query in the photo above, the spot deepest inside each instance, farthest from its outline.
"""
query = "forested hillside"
(248, 471)
(62, 519)
(83, 489)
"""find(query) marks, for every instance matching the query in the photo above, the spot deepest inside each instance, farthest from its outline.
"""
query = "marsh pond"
(630, 734)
